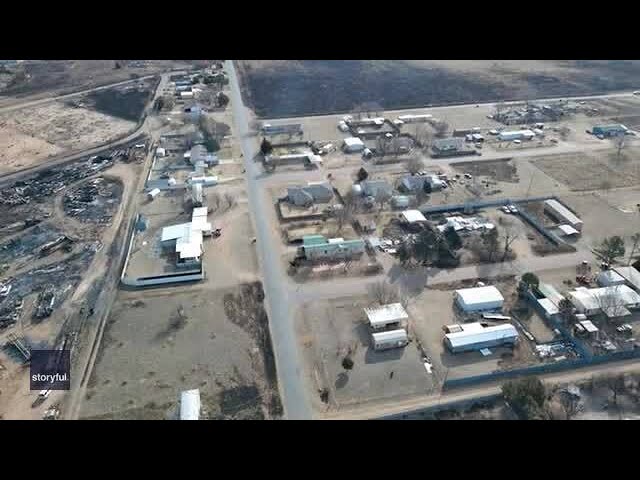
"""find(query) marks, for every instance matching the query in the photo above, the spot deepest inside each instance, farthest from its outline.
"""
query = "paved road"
(72, 157)
(290, 372)
(410, 406)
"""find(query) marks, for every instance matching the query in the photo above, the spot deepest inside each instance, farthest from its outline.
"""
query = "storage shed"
(390, 339)
(386, 316)
(412, 216)
(479, 299)
(470, 339)
(353, 145)
(190, 405)
(153, 193)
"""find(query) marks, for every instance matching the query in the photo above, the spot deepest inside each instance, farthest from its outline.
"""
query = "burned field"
(95, 201)
(290, 88)
(126, 102)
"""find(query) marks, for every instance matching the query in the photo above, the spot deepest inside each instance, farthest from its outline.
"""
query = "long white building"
(479, 299)
(476, 337)
(562, 213)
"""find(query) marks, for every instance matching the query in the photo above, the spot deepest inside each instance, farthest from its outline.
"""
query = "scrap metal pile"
(49, 182)
(94, 201)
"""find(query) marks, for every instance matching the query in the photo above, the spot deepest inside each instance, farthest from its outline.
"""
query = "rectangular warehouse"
(562, 213)
(516, 135)
(476, 337)
(415, 118)
(386, 316)
(390, 339)
(479, 299)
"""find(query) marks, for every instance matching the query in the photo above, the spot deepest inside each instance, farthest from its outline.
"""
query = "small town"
(204, 260)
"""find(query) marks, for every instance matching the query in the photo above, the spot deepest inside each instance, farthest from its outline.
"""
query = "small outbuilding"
(412, 216)
(479, 299)
(190, 405)
(388, 316)
(151, 194)
(607, 278)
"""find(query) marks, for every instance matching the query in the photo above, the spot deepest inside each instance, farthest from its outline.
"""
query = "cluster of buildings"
(388, 326)
(466, 224)
(186, 239)
(531, 113)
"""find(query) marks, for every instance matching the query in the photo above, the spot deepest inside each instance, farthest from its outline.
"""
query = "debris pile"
(45, 303)
(94, 202)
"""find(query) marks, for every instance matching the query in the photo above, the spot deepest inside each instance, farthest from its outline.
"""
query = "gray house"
(371, 187)
(412, 183)
(313, 192)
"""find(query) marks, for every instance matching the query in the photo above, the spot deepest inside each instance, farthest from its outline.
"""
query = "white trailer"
(391, 339)
(151, 194)
(562, 213)
(415, 118)
(510, 135)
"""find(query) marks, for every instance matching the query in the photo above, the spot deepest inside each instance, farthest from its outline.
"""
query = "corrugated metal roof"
(631, 275)
(308, 240)
(562, 211)
(467, 337)
(393, 312)
(471, 296)
(411, 216)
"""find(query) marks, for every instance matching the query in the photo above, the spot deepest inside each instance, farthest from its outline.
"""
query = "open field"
(593, 171)
(33, 134)
(161, 342)
(276, 88)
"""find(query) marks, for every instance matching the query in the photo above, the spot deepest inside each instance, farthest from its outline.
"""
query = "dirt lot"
(161, 342)
(30, 135)
(591, 171)
(500, 170)
(331, 330)
(285, 88)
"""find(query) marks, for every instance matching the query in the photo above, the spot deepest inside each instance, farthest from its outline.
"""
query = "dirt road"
(411, 406)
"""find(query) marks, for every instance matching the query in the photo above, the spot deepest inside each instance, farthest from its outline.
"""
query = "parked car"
(513, 209)
(505, 209)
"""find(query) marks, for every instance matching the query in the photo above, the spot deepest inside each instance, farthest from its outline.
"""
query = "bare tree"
(414, 164)
(422, 135)
(383, 293)
(570, 404)
(619, 142)
(509, 237)
(383, 146)
(441, 128)
(610, 302)
(214, 201)
(230, 199)
(615, 383)
(344, 215)
(382, 196)
(634, 247)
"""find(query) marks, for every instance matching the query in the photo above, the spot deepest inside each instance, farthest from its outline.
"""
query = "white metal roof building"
(479, 299)
(188, 237)
(477, 338)
(390, 339)
(562, 213)
(548, 305)
(415, 118)
(613, 301)
(516, 135)
(631, 276)
(190, 405)
(385, 315)
(413, 216)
